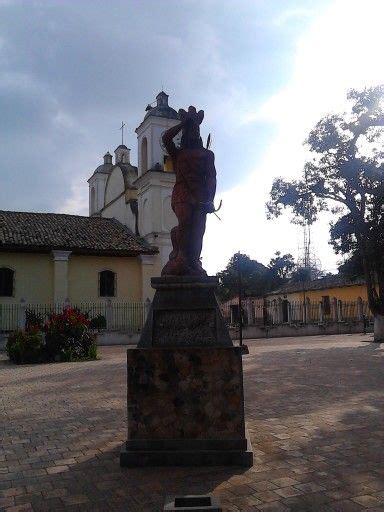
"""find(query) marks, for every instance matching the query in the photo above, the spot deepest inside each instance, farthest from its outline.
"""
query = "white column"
(148, 269)
(109, 314)
(339, 311)
(280, 311)
(22, 314)
(250, 312)
(309, 310)
(304, 319)
(60, 275)
(321, 313)
(360, 311)
(335, 310)
(275, 312)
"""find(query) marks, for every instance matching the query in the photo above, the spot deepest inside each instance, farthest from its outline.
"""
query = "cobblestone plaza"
(315, 413)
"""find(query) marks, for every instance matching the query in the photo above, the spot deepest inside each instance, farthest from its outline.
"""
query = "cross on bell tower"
(122, 132)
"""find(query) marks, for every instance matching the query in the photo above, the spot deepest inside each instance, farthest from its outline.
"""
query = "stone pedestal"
(185, 383)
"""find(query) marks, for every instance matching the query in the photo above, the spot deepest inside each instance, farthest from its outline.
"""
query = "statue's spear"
(217, 209)
(221, 202)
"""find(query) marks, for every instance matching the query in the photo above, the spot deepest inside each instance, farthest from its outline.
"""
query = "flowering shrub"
(70, 323)
(67, 338)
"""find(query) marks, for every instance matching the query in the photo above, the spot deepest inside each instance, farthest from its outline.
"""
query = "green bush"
(98, 322)
(33, 320)
(25, 347)
(67, 338)
(76, 349)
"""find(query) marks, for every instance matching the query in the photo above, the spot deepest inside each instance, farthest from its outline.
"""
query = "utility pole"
(240, 286)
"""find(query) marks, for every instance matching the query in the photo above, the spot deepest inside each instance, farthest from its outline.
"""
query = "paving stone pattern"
(315, 410)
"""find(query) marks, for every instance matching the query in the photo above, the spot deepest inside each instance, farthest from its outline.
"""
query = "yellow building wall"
(345, 294)
(151, 267)
(33, 279)
(84, 271)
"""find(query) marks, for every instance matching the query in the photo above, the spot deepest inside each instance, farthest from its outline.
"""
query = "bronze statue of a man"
(193, 193)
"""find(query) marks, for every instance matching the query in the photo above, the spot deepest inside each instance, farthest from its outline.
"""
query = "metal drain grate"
(192, 503)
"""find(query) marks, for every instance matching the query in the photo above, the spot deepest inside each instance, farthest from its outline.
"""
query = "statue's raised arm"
(193, 193)
(168, 137)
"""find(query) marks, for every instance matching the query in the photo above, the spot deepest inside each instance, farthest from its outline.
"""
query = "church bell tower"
(155, 176)
(140, 197)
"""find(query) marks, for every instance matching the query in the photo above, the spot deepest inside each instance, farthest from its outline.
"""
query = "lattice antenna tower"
(308, 260)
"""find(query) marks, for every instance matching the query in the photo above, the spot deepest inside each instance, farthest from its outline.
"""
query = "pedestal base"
(209, 453)
(185, 397)
(185, 407)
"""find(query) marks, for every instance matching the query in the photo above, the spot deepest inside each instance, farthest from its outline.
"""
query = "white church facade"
(140, 197)
(112, 253)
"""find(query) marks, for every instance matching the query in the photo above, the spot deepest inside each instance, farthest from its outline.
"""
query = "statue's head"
(190, 137)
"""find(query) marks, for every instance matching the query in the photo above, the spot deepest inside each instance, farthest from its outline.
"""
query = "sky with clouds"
(264, 72)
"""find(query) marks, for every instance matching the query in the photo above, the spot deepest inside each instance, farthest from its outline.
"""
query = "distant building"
(46, 257)
(252, 310)
(333, 287)
(330, 291)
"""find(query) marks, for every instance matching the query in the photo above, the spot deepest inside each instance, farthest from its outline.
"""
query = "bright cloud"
(341, 49)
(264, 73)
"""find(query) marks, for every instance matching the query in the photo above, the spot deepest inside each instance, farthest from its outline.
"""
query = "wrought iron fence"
(253, 311)
(259, 312)
(130, 316)
(9, 316)
(127, 316)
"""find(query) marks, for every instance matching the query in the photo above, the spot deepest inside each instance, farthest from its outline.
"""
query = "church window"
(144, 155)
(93, 200)
(6, 282)
(107, 283)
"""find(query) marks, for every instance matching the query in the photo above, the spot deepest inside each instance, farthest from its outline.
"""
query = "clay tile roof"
(162, 111)
(104, 168)
(42, 232)
(335, 281)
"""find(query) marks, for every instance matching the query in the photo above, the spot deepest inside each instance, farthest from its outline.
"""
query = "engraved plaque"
(184, 328)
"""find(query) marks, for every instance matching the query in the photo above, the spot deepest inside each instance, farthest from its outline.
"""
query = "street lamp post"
(240, 301)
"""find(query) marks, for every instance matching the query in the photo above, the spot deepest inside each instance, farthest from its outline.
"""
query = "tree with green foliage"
(282, 266)
(352, 267)
(255, 277)
(346, 176)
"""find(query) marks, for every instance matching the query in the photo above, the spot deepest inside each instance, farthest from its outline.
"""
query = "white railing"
(131, 316)
(280, 311)
(110, 315)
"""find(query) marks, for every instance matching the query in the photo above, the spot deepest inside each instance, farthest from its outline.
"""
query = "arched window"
(144, 155)
(107, 283)
(93, 200)
(6, 282)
